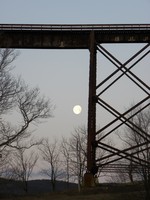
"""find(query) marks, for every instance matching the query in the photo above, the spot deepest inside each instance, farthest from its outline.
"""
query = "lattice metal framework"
(80, 36)
(114, 154)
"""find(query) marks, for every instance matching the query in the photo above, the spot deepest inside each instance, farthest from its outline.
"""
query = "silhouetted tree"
(25, 104)
(140, 136)
(74, 150)
(22, 164)
(65, 150)
(15, 95)
(9, 86)
(50, 153)
(78, 157)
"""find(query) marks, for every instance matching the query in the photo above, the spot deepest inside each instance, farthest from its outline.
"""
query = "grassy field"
(76, 196)
(102, 192)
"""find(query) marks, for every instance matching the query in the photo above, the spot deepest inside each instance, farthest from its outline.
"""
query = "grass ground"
(102, 192)
(76, 196)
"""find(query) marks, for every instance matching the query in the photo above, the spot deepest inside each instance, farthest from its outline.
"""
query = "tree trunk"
(53, 182)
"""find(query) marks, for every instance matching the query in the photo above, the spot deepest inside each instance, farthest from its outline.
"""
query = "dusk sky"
(62, 75)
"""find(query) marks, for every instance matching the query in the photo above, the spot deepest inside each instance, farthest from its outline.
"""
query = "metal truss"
(122, 168)
(91, 37)
(108, 163)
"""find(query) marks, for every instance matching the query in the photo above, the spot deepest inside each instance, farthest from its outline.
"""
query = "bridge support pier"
(89, 180)
(91, 150)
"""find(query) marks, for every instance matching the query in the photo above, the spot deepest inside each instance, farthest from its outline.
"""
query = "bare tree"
(139, 137)
(78, 157)
(28, 107)
(74, 150)
(50, 153)
(65, 150)
(22, 165)
(15, 95)
(32, 108)
(5, 157)
(9, 86)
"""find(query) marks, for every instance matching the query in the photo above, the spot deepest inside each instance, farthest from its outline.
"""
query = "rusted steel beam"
(77, 27)
(69, 36)
(124, 154)
(92, 108)
(125, 150)
(124, 120)
(123, 168)
(122, 67)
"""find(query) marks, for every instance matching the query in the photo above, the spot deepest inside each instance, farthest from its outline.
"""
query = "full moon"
(77, 109)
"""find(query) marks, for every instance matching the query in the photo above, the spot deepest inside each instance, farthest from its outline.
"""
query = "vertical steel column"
(91, 166)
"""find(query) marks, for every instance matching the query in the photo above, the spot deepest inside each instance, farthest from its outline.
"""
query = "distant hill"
(34, 187)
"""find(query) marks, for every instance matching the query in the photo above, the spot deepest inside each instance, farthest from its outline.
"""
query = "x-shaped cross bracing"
(115, 154)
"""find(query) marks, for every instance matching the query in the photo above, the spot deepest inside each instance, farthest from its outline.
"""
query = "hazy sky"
(62, 75)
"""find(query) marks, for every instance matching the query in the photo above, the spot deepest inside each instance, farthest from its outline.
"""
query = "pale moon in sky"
(77, 109)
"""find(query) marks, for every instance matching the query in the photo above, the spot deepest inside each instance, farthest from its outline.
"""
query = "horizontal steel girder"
(70, 36)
